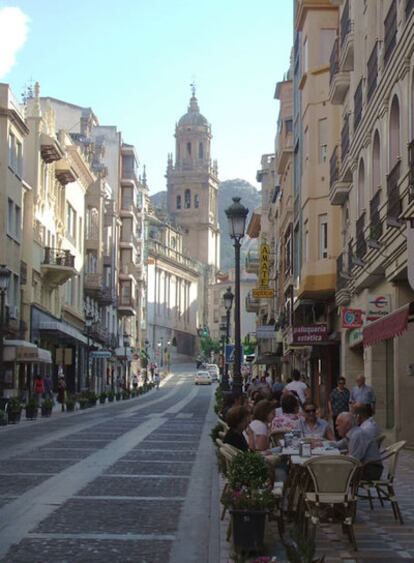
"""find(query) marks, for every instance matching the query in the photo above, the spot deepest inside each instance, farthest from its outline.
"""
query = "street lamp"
(4, 285)
(168, 356)
(161, 347)
(236, 215)
(88, 322)
(125, 337)
(228, 303)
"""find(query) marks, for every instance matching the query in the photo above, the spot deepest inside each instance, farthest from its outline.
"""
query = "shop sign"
(306, 335)
(265, 332)
(101, 354)
(262, 293)
(264, 265)
(378, 306)
(351, 318)
(26, 354)
(355, 337)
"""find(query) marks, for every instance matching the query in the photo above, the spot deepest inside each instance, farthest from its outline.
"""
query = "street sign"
(262, 293)
(230, 353)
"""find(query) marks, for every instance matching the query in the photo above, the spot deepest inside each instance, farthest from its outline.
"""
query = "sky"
(132, 62)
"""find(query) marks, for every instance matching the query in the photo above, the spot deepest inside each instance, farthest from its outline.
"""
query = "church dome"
(193, 116)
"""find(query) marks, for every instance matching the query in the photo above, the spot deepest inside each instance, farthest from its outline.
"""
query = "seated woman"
(263, 414)
(312, 426)
(231, 400)
(238, 419)
(289, 419)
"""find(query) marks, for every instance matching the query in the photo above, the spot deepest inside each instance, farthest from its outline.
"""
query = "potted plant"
(3, 418)
(46, 407)
(125, 394)
(83, 403)
(249, 499)
(111, 396)
(70, 403)
(92, 398)
(31, 409)
(118, 396)
(14, 410)
(102, 397)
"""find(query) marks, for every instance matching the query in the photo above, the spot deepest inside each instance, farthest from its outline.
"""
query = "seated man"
(359, 445)
(312, 425)
(365, 420)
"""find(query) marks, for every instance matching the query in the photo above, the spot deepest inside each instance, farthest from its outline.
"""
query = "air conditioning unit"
(13, 312)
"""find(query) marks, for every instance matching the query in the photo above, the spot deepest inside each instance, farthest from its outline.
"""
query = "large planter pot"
(14, 417)
(248, 529)
(102, 400)
(111, 398)
(70, 407)
(46, 411)
(31, 412)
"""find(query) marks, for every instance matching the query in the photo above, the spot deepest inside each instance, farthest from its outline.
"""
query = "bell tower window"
(187, 199)
(189, 149)
(200, 151)
(196, 201)
(178, 202)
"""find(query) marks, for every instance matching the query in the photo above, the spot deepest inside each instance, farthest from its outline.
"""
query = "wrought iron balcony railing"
(375, 230)
(361, 243)
(393, 194)
(372, 71)
(390, 32)
(58, 257)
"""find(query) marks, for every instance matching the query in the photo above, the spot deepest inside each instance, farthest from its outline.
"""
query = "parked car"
(202, 378)
(214, 371)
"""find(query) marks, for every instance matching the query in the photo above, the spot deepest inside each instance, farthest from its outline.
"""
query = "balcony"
(394, 206)
(64, 172)
(339, 81)
(375, 224)
(345, 138)
(338, 190)
(99, 333)
(409, 5)
(106, 297)
(346, 59)
(92, 284)
(357, 105)
(58, 265)
(390, 32)
(50, 149)
(372, 72)
(128, 270)
(342, 295)
(361, 243)
(126, 306)
(252, 262)
(285, 152)
(252, 304)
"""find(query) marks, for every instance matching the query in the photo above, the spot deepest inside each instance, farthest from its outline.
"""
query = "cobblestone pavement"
(380, 539)
(111, 483)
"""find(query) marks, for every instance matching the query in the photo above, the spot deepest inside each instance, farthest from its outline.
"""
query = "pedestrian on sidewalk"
(61, 392)
(338, 402)
(362, 394)
(48, 387)
(157, 378)
(38, 388)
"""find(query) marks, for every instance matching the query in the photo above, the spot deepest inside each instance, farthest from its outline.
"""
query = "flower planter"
(46, 411)
(70, 407)
(102, 400)
(31, 413)
(248, 529)
(13, 417)
(111, 398)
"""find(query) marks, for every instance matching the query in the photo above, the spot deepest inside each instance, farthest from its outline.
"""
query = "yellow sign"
(262, 293)
(264, 266)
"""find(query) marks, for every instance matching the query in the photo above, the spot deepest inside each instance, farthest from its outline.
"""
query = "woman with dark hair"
(231, 400)
(289, 419)
(238, 421)
(263, 414)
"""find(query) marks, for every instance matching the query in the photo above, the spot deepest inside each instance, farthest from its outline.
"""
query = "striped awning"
(389, 326)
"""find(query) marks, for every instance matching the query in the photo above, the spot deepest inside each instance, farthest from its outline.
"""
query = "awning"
(25, 352)
(65, 329)
(389, 326)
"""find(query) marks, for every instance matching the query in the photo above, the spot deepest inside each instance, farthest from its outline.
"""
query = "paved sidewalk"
(380, 538)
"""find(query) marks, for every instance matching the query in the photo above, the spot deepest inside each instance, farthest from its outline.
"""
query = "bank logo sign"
(378, 306)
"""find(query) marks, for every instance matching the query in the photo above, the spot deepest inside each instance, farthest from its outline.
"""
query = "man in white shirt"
(365, 420)
(298, 386)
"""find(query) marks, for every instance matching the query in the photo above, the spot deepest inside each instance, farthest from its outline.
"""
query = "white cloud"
(13, 34)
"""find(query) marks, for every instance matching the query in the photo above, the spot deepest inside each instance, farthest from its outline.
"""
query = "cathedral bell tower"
(192, 186)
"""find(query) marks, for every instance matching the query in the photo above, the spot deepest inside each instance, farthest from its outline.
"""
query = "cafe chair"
(223, 424)
(334, 492)
(384, 486)
(380, 440)
(227, 453)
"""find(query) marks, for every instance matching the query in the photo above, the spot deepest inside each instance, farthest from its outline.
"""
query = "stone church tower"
(192, 186)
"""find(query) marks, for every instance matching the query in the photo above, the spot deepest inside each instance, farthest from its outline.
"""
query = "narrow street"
(128, 481)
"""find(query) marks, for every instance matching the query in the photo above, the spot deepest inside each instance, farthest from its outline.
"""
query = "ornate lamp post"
(236, 215)
(125, 338)
(4, 284)
(228, 303)
(89, 318)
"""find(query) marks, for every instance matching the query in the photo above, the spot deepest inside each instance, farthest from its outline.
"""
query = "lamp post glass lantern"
(228, 303)
(237, 215)
(4, 285)
(125, 338)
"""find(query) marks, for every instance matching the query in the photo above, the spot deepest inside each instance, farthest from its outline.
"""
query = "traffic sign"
(229, 356)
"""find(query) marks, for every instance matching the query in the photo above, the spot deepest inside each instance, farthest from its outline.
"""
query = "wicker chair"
(224, 424)
(384, 487)
(333, 479)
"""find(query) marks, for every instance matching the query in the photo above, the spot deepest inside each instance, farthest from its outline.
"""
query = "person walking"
(338, 402)
(61, 392)
(38, 388)
(362, 394)
(298, 386)
(157, 378)
(48, 387)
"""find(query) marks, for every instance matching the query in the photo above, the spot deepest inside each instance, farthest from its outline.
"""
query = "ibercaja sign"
(306, 335)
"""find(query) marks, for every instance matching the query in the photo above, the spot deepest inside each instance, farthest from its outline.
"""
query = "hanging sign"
(264, 266)
(351, 318)
(378, 307)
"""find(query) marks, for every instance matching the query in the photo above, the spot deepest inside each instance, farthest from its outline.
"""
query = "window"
(196, 201)
(70, 222)
(178, 202)
(361, 189)
(10, 217)
(200, 151)
(305, 64)
(289, 125)
(376, 164)
(323, 140)
(306, 242)
(187, 199)
(14, 219)
(323, 236)
(19, 157)
(12, 151)
(18, 222)
(326, 41)
(189, 149)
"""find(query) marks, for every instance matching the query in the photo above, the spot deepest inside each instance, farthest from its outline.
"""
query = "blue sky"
(132, 61)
